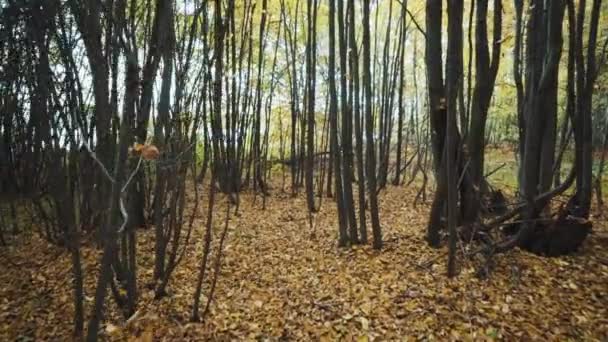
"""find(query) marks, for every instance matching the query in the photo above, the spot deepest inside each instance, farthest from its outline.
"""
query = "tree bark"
(356, 91)
(485, 77)
(453, 75)
(347, 134)
(369, 131)
(437, 110)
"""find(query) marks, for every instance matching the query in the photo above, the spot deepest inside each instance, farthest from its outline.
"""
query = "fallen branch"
(495, 170)
(544, 197)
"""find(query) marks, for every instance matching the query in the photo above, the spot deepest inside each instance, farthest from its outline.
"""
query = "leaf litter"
(280, 280)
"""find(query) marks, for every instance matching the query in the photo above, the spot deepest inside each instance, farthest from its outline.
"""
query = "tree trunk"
(311, 51)
(347, 134)
(369, 131)
(453, 74)
(437, 108)
(485, 77)
(542, 71)
(343, 238)
(585, 80)
(356, 91)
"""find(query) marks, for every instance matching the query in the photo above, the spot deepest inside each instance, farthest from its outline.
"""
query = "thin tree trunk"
(453, 74)
(311, 51)
(356, 91)
(437, 108)
(343, 238)
(369, 131)
(486, 70)
(347, 134)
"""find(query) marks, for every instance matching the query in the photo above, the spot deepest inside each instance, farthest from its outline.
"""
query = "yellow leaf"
(137, 147)
(363, 338)
(366, 308)
(455, 334)
(364, 323)
(111, 328)
(326, 338)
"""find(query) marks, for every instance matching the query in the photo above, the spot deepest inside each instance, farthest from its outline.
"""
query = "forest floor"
(282, 280)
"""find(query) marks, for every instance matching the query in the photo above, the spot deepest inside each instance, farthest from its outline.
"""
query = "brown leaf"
(150, 152)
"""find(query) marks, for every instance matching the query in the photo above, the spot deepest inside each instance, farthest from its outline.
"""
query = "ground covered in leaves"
(282, 280)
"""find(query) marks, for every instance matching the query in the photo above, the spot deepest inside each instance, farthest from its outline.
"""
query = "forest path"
(281, 281)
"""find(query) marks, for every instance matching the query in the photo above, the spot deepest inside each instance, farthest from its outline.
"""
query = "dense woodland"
(156, 156)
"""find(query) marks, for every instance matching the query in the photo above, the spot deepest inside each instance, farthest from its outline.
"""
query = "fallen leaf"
(111, 328)
(364, 323)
